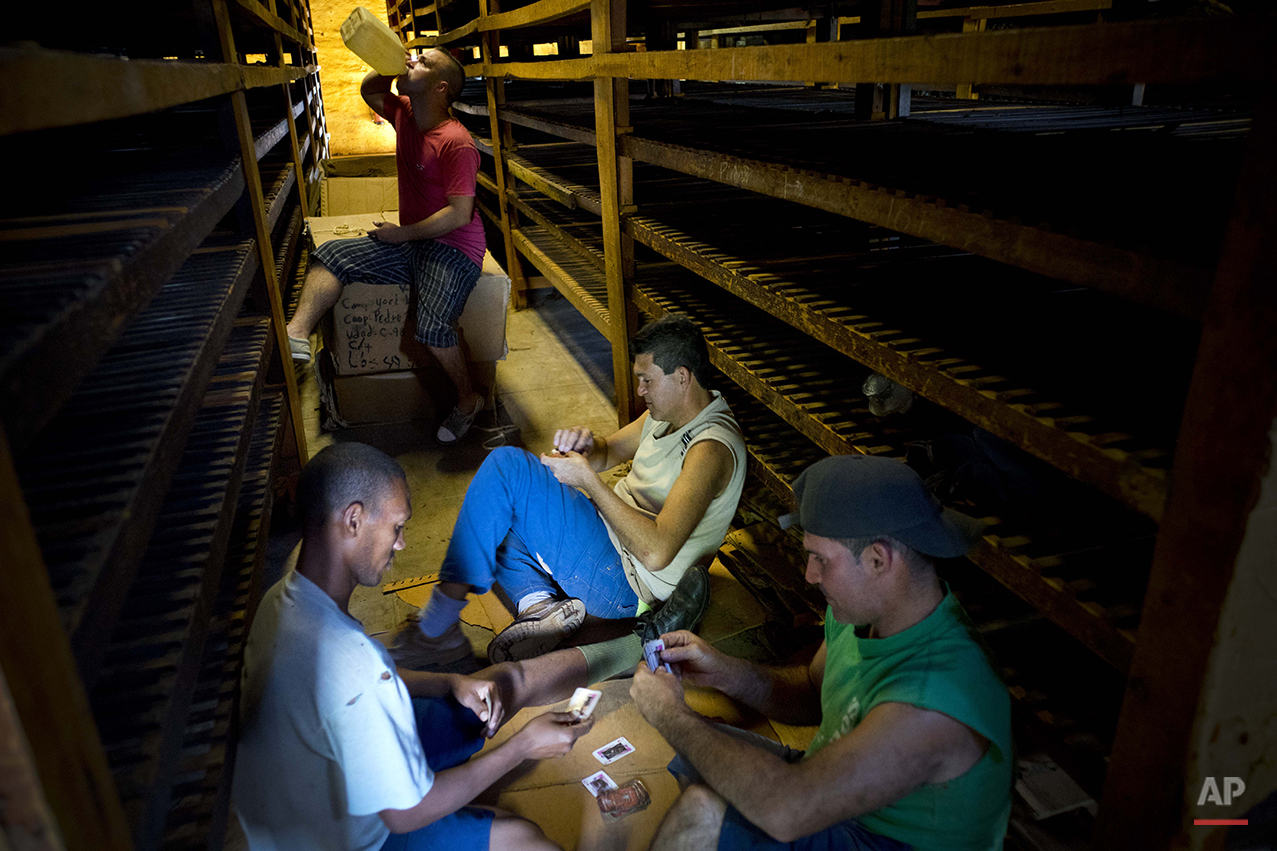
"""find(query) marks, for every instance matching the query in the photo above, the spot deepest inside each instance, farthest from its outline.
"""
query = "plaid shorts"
(441, 275)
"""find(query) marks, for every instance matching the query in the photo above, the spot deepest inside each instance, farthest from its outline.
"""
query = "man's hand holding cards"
(652, 654)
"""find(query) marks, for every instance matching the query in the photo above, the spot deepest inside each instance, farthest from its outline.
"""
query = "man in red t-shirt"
(438, 246)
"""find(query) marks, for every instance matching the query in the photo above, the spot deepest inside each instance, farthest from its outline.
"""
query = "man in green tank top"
(914, 746)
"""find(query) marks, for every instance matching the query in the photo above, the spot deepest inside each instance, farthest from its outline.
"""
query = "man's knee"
(515, 833)
(507, 461)
(702, 805)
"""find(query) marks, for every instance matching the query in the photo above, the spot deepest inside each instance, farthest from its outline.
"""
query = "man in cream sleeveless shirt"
(560, 543)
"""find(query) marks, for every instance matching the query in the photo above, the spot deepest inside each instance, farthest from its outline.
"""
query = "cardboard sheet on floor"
(616, 715)
(570, 816)
(550, 792)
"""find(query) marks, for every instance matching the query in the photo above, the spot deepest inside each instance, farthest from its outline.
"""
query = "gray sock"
(440, 613)
(609, 658)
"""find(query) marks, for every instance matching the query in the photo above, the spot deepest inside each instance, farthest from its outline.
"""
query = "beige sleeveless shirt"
(657, 465)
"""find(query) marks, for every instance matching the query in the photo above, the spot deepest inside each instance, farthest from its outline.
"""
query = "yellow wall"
(350, 123)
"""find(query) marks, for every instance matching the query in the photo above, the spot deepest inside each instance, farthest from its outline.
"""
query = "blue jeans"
(739, 833)
(450, 734)
(515, 511)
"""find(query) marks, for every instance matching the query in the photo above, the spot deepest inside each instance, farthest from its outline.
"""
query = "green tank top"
(938, 664)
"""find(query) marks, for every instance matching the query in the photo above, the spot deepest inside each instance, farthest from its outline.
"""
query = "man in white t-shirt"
(338, 750)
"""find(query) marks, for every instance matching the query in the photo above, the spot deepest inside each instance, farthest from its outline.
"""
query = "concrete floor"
(558, 373)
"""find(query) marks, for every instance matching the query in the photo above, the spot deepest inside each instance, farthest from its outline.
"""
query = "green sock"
(609, 658)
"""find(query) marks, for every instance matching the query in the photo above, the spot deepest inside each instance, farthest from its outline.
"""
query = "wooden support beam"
(291, 117)
(502, 145)
(47, 692)
(616, 189)
(541, 12)
(1205, 50)
(25, 818)
(1018, 10)
(1222, 448)
(98, 88)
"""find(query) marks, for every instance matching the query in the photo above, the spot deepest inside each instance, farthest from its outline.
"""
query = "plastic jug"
(374, 42)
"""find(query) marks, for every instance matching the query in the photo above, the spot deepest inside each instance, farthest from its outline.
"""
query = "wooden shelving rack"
(148, 397)
(1054, 274)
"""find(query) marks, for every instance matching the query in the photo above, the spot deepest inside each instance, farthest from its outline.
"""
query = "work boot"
(537, 631)
(413, 649)
(683, 610)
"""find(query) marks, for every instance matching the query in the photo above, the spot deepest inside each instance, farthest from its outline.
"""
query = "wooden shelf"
(97, 88)
(817, 301)
(151, 667)
(579, 280)
(201, 794)
(94, 510)
(1070, 578)
(253, 11)
(72, 280)
(1143, 247)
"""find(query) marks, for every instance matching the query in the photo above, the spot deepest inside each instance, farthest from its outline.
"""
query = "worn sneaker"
(413, 649)
(300, 349)
(683, 610)
(538, 631)
(458, 423)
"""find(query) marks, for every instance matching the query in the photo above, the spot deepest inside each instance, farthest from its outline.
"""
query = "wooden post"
(261, 227)
(292, 138)
(970, 25)
(47, 692)
(886, 100)
(502, 143)
(616, 188)
(1222, 449)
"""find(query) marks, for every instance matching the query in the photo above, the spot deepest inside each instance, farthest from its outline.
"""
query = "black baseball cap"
(860, 496)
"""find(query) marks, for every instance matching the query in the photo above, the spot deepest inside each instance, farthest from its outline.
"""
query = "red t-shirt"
(433, 165)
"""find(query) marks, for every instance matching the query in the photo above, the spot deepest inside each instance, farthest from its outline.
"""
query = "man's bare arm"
(602, 453)
(374, 89)
(707, 469)
(790, 694)
(895, 749)
(457, 213)
(545, 736)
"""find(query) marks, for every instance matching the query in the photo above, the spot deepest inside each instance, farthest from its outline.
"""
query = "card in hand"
(613, 751)
(652, 653)
(598, 782)
(582, 702)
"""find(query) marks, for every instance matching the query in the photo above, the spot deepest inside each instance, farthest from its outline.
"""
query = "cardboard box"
(372, 328)
(391, 397)
(359, 184)
(342, 196)
(388, 397)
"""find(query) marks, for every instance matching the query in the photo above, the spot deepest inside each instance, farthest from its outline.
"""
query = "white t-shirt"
(657, 465)
(328, 738)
